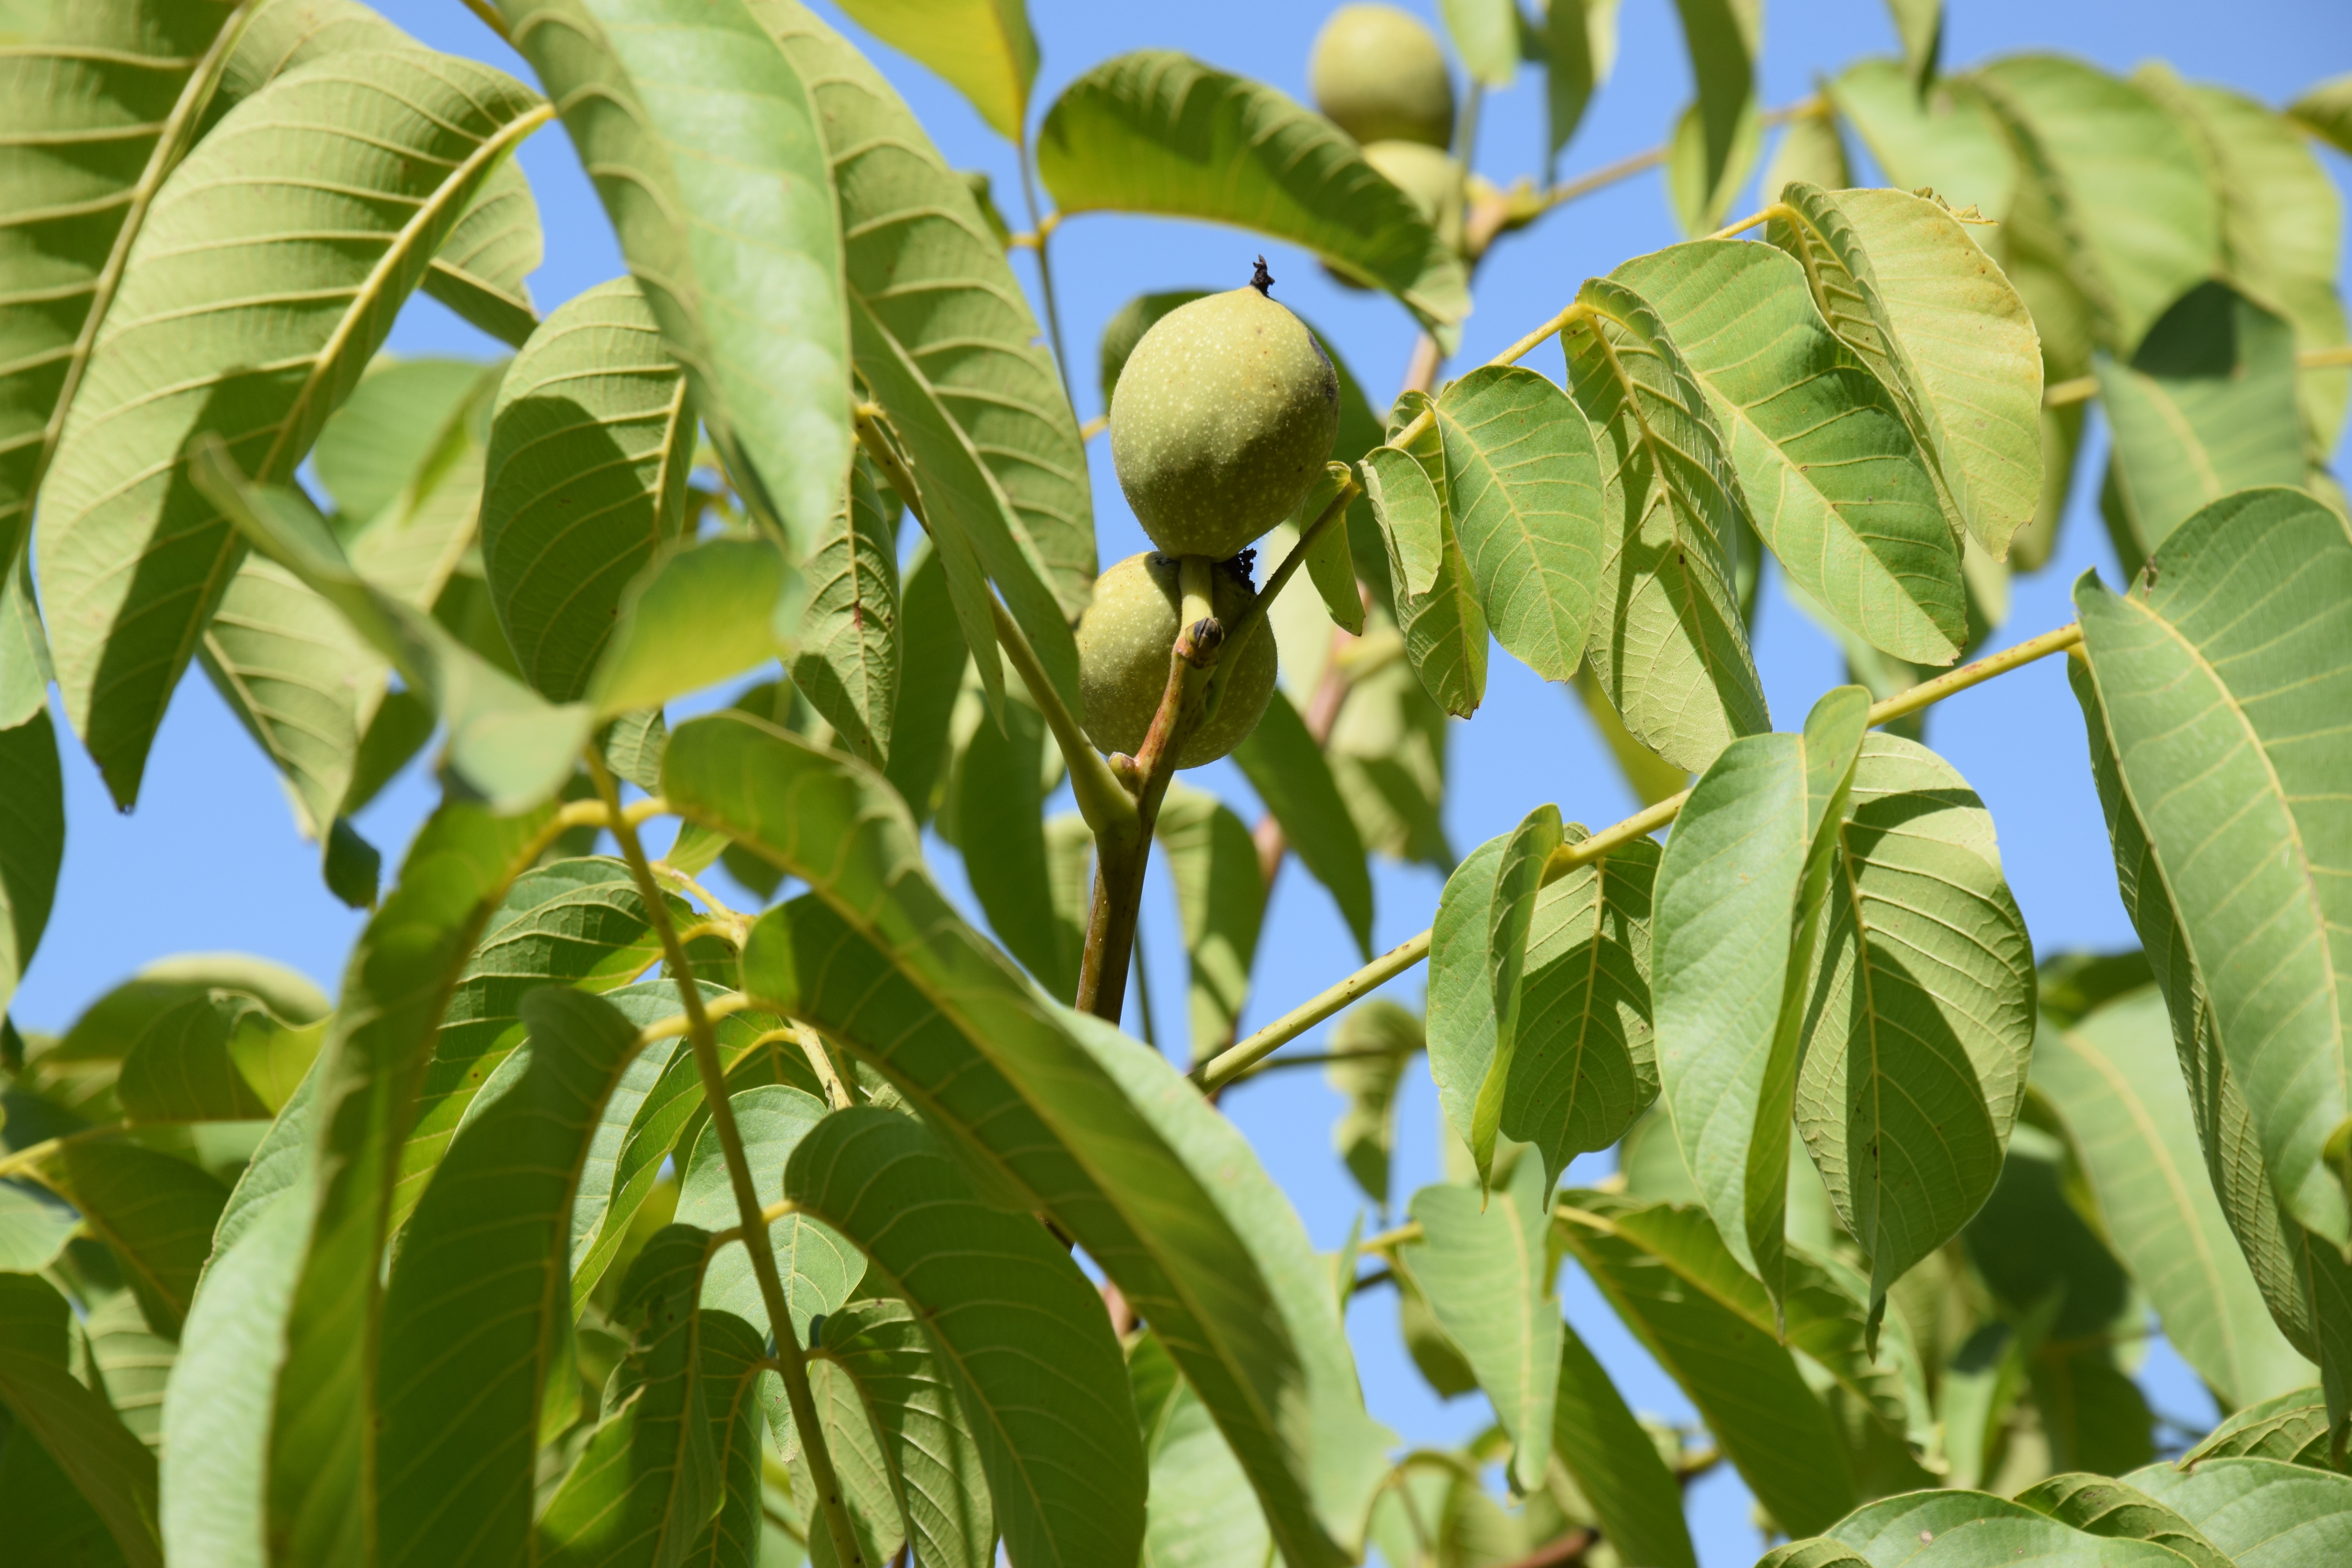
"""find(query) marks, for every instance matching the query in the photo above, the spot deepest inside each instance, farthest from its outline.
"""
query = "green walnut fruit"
(1378, 74)
(1123, 644)
(1221, 422)
(1427, 174)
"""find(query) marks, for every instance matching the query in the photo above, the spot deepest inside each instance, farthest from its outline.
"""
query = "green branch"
(790, 1359)
(1227, 1066)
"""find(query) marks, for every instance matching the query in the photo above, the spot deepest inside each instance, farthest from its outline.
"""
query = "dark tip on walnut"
(1262, 279)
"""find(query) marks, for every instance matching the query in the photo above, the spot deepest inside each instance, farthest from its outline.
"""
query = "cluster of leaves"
(466, 1265)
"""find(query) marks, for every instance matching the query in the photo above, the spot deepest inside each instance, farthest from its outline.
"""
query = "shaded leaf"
(1485, 1263)
(2123, 183)
(1580, 51)
(1436, 601)
(1615, 1463)
(1294, 777)
(1194, 1520)
(925, 1435)
(2097, 1505)
(157, 1212)
(1754, 854)
(1920, 1010)
(1388, 756)
(819, 1267)
(2205, 406)
(1155, 131)
(851, 633)
(32, 843)
(712, 609)
(2113, 1079)
(706, 148)
(1671, 653)
(1811, 150)
(930, 673)
(2291, 1427)
(480, 269)
(130, 1364)
(1385, 1039)
(1005, 1308)
(1903, 284)
(416, 134)
(1723, 37)
(479, 1307)
(2222, 725)
(1701, 205)
(591, 443)
(1220, 900)
(112, 1468)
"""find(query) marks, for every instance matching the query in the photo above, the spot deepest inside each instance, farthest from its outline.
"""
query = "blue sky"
(210, 859)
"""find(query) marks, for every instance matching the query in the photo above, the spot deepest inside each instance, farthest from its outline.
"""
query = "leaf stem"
(489, 17)
(2083, 388)
(1237, 636)
(1227, 1066)
(1102, 801)
(791, 1361)
(1744, 225)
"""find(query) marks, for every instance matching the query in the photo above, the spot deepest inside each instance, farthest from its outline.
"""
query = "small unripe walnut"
(1124, 641)
(1378, 74)
(1427, 174)
(1221, 422)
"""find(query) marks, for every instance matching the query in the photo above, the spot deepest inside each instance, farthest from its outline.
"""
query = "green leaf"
(129, 1364)
(388, 429)
(1946, 140)
(1754, 854)
(1519, 878)
(1386, 1039)
(2220, 690)
(1615, 1463)
(1463, 1033)
(1330, 559)
(1523, 484)
(1710, 1326)
(2291, 1427)
(922, 1426)
(1827, 470)
(591, 444)
(930, 673)
(1700, 207)
(981, 46)
(156, 1211)
(1723, 37)
(1197, 1519)
(2114, 1082)
(706, 150)
(2325, 110)
(2098, 1506)
(1919, 1011)
(1294, 778)
(649, 1482)
(2140, 224)
(2282, 226)
(709, 610)
(1220, 899)
(399, 979)
(1964, 1530)
(1388, 756)
(217, 1057)
(480, 269)
(851, 633)
(861, 1468)
(998, 790)
(103, 101)
(32, 843)
(113, 1469)
(505, 741)
(1180, 1215)
(572, 922)
(1920, 25)
(1903, 284)
(479, 1300)
(1580, 49)
(1672, 657)
(33, 1229)
(2205, 406)
(1436, 601)
(2259, 1512)
(1018, 1328)
(926, 265)
(818, 1265)
(1156, 131)
(1812, 151)
(1486, 34)
(418, 135)
(1486, 1266)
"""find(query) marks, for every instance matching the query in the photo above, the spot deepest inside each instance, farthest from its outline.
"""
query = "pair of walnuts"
(1225, 412)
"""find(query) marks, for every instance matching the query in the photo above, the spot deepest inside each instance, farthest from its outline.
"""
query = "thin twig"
(489, 16)
(2083, 388)
(1226, 1065)
(1044, 270)
(791, 1360)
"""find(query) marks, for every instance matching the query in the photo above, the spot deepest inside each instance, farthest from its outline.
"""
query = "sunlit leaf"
(413, 136)
(2220, 690)
(1947, 140)
(1740, 896)
(2259, 1512)
(1954, 1528)
(1900, 282)
(2123, 182)
(710, 610)
(1700, 207)
(981, 46)
(2097, 1505)
(1007, 1310)
(1197, 1518)
(1155, 131)
(589, 448)
(705, 148)
(1671, 657)
(1919, 1012)
(2325, 110)
(479, 1301)
(2291, 1427)
(1485, 1265)
(1580, 49)
(926, 1435)
(1436, 600)
(1723, 37)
